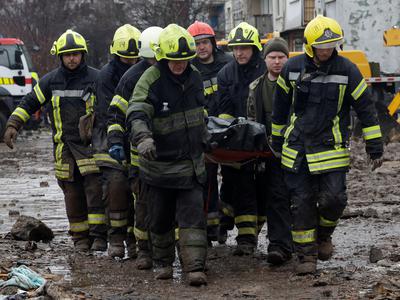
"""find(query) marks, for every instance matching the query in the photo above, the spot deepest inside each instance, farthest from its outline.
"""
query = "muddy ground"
(372, 220)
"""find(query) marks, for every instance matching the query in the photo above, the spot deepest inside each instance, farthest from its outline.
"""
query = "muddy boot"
(277, 257)
(131, 245)
(307, 265)
(193, 248)
(99, 244)
(164, 272)
(117, 247)
(325, 249)
(82, 245)
(144, 260)
(244, 249)
(197, 278)
(222, 235)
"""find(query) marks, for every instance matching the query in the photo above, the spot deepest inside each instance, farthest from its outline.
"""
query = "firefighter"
(272, 194)
(209, 61)
(69, 91)
(315, 92)
(168, 126)
(125, 53)
(118, 140)
(233, 88)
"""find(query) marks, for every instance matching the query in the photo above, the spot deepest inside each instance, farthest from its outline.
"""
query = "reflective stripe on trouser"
(244, 202)
(166, 207)
(83, 199)
(315, 200)
(116, 194)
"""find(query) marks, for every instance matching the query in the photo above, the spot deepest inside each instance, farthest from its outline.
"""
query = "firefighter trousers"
(84, 205)
(243, 201)
(317, 203)
(168, 207)
(273, 198)
(116, 195)
(211, 201)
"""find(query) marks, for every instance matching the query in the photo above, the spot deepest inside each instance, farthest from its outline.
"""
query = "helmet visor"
(328, 45)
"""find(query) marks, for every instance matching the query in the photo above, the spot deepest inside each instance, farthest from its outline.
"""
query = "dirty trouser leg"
(245, 205)
(141, 227)
(261, 194)
(211, 201)
(117, 193)
(96, 211)
(331, 203)
(161, 210)
(303, 190)
(192, 229)
(76, 207)
(226, 199)
(279, 218)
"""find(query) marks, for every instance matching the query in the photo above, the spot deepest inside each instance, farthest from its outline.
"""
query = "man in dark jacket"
(209, 61)
(233, 89)
(272, 194)
(167, 120)
(315, 92)
(118, 142)
(125, 53)
(68, 89)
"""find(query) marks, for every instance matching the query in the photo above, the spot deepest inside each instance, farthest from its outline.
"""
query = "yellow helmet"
(175, 43)
(322, 33)
(244, 35)
(69, 41)
(126, 42)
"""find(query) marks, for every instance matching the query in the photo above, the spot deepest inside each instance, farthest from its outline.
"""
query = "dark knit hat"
(276, 44)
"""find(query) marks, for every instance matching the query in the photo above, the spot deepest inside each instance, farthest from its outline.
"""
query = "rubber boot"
(82, 245)
(277, 257)
(144, 260)
(116, 247)
(197, 278)
(99, 244)
(164, 272)
(244, 249)
(193, 249)
(131, 245)
(325, 249)
(306, 258)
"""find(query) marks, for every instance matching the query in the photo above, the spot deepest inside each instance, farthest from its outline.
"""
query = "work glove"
(117, 152)
(147, 149)
(375, 161)
(10, 136)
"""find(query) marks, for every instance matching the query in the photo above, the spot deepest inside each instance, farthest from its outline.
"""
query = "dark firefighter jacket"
(209, 75)
(108, 79)
(170, 110)
(255, 103)
(233, 85)
(63, 88)
(318, 126)
(117, 133)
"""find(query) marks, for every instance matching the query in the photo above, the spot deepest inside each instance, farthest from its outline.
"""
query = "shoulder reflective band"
(293, 76)
(340, 79)
(68, 93)
(372, 132)
(359, 90)
(281, 82)
(120, 102)
(225, 116)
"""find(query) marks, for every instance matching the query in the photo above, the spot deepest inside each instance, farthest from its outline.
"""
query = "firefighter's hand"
(147, 149)
(375, 162)
(10, 136)
(117, 152)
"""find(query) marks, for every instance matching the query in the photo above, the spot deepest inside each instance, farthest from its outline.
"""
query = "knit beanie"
(276, 44)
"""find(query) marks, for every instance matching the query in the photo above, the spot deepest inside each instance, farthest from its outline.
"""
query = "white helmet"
(149, 35)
